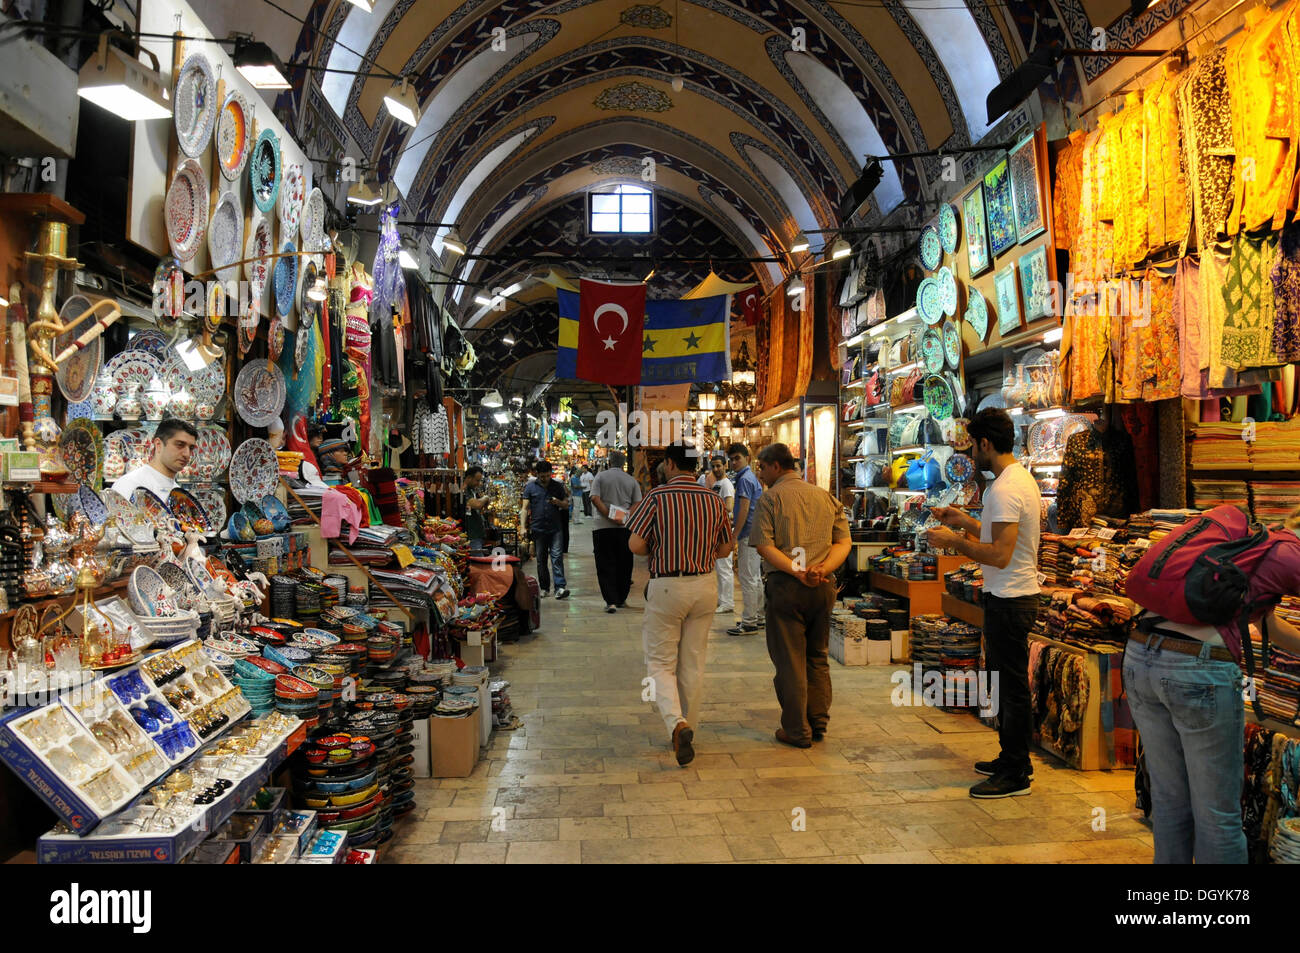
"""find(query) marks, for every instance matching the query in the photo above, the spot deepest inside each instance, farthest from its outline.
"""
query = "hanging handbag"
(875, 391)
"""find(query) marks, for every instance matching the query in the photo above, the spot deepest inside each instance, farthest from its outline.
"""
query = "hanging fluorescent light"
(1054, 335)
(795, 287)
(484, 300)
(123, 85)
(508, 340)
(452, 242)
(501, 417)
(403, 103)
(365, 5)
(800, 243)
(408, 256)
(258, 64)
(493, 399)
(1049, 414)
(363, 193)
(841, 249)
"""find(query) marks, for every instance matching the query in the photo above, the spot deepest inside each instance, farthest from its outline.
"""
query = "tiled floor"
(590, 777)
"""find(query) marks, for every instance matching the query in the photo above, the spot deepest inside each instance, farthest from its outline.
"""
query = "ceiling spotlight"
(516, 400)
(258, 64)
(363, 193)
(860, 191)
(452, 242)
(795, 287)
(123, 85)
(841, 249)
(408, 256)
(365, 5)
(800, 243)
(678, 83)
(493, 399)
(402, 102)
(509, 341)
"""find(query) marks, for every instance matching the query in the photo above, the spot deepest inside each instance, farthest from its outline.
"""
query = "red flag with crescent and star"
(750, 299)
(611, 323)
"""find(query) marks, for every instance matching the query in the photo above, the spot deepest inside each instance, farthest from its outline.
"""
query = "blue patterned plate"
(939, 398)
(951, 344)
(286, 280)
(948, 229)
(932, 350)
(264, 170)
(947, 291)
(928, 304)
(931, 248)
(959, 468)
(977, 313)
(92, 505)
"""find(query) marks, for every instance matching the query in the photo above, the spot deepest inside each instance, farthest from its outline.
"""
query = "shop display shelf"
(851, 385)
(967, 612)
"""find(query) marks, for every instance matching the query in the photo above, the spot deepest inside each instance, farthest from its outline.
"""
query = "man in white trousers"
(683, 528)
(748, 562)
(716, 480)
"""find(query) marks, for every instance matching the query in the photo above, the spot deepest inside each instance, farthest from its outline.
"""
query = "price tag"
(1141, 543)
(1078, 531)
(404, 556)
(1107, 533)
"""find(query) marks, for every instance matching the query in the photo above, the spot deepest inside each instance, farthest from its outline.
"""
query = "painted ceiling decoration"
(633, 97)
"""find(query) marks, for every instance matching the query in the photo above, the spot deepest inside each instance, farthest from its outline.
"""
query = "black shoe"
(683, 738)
(742, 629)
(819, 735)
(561, 593)
(1001, 785)
(609, 608)
(992, 767)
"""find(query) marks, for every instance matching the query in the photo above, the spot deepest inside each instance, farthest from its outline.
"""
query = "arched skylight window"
(358, 30)
(833, 96)
(952, 32)
(476, 178)
(791, 194)
(620, 208)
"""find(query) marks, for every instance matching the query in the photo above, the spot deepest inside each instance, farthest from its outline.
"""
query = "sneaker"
(682, 738)
(544, 593)
(724, 609)
(609, 608)
(1001, 785)
(742, 629)
(561, 593)
(990, 768)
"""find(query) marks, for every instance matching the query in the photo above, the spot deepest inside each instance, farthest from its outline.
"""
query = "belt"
(677, 575)
(1189, 647)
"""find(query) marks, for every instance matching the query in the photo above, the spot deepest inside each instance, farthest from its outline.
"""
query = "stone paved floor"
(591, 778)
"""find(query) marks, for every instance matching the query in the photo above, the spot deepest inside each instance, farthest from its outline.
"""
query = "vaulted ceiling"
(528, 103)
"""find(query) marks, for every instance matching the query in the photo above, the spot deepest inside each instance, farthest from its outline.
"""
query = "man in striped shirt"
(683, 528)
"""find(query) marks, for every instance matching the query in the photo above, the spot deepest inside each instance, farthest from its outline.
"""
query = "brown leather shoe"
(785, 739)
(682, 738)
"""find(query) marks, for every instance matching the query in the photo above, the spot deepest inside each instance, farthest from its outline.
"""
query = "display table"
(967, 612)
(924, 598)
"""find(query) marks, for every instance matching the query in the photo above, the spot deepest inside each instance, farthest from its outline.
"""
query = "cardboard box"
(484, 715)
(877, 652)
(420, 768)
(453, 745)
(900, 645)
(846, 650)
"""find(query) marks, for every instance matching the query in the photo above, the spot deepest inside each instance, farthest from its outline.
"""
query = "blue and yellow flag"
(685, 341)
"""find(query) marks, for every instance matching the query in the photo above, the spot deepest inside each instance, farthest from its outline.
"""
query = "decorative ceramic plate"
(145, 591)
(149, 340)
(947, 291)
(194, 106)
(208, 383)
(65, 504)
(951, 344)
(82, 408)
(226, 236)
(931, 248)
(939, 398)
(259, 392)
(183, 592)
(305, 305)
(81, 446)
(275, 338)
(154, 508)
(254, 470)
(286, 279)
(232, 135)
(992, 400)
(213, 501)
(959, 468)
(188, 512)
(132, 367)
(275, 511)
(264, 170)
(76, 375)
(257, 254)
(215, 312)
(928, 305)
(301, 339)
(213, 448)
(932, 350)
(292, 193)
(312, 226)
(948, 229)
(186, 210)
(89, 503)
(977, 313)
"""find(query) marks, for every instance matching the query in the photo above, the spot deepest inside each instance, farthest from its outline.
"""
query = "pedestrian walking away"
(614, 494)
(683, 528)
(545, 506)
(748, 562)
(716, 480)
(802, 534)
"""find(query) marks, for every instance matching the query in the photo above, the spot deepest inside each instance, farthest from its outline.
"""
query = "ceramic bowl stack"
(168, 629)
(295, 697)
(336, 776)
(257, 686)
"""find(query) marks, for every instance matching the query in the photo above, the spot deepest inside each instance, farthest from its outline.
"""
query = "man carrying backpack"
(1200, 588)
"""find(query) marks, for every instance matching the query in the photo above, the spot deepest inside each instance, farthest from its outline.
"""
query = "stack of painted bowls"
(256, 684)
(336, 776)
(295, 697)
(325, 684)
(284, 591)
(308, 599)
(381, 648)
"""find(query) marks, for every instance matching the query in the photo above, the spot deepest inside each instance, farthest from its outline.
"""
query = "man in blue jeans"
(546, 507)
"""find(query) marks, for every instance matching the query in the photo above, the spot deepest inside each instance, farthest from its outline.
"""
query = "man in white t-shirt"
(587, 479)
(173, 444)
(716, 480)
(1007, 551)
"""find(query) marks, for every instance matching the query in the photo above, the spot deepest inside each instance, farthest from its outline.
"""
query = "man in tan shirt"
(802, 534)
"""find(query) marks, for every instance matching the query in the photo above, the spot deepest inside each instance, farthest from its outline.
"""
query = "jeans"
(1007, 624)
(1192, 720)
(613, 564)
(553, 543)
(798, 642)
(675, 637)
(586, 503)
(748, 566)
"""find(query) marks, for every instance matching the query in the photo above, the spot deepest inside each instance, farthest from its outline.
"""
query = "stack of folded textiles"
(1273, 502)
(1207, 494)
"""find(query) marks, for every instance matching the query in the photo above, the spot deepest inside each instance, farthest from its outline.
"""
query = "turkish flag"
(611, 322)
(749, 302)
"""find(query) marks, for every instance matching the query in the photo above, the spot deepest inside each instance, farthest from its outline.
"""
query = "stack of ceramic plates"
(166, 630)
(470, 675)
(309, 596)
(295, 697)
(283, 596)
(257, 686)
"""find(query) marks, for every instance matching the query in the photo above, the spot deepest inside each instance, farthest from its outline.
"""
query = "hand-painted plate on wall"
(186, 210)
(977, 313)
(264, 170)
(194, 106)
(232, 135)
(948, 229)
(931, 248)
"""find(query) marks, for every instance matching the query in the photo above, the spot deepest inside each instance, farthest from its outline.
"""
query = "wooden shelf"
(965, 611)
(44, 204)
(44, 486)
